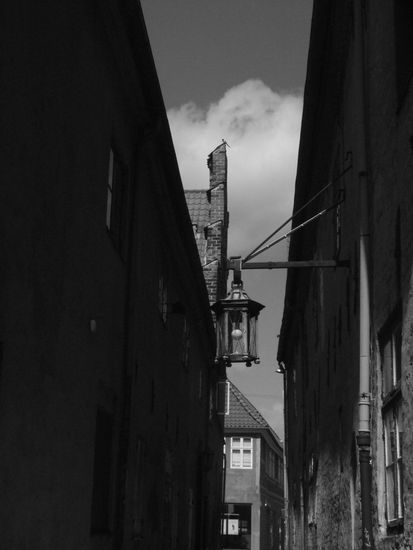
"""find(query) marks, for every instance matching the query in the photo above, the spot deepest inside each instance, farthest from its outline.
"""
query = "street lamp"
(236, 325)
(236, 315)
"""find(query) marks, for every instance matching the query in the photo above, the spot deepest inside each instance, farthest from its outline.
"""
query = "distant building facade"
(346, 341)
(253, 510)
(109, 431)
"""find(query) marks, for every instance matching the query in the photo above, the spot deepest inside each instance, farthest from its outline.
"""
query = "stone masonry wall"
(323, 345)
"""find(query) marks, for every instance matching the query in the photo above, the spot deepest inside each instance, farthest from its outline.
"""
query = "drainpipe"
(363, 436)
(224, 481)
(282, 370)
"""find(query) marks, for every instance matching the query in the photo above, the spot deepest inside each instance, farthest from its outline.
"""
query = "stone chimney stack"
(217, 231)
(209, 214)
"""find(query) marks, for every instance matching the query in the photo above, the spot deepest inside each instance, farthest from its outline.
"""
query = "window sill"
(101, 533)
(395, 527)
(391, 398)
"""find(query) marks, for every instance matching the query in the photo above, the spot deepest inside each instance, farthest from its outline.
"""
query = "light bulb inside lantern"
(236, 334)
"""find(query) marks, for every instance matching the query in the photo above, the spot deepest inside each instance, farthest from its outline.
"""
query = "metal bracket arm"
(233, 263)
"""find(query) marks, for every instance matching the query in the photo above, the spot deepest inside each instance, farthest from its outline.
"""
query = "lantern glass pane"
(237, 334)
(253, 337)
(222, 334)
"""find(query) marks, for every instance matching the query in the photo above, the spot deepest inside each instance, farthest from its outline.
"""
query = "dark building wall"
(109, 435)
(320, 334)
(390, 120)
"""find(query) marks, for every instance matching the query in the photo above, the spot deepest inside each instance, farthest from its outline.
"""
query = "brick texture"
(209, 215)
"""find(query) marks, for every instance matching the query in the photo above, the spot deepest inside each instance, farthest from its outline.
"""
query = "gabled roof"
(243, 415)
(199, 207)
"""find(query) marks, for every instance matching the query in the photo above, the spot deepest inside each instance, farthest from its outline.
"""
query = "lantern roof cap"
(237, 292)
(237, 296)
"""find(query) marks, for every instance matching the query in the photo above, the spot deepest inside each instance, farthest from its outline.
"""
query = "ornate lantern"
(236, 326)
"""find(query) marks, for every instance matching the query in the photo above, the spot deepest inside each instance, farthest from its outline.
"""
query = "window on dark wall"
(391, 343)
(163, 283)
(186, 342)
(138, 502)
(337, 196)
(163, 297)
(102, 470)
(273, 464)
(117, 203)
(403, 24)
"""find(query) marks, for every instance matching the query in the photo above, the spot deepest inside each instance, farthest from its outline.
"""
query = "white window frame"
(393, 464)
(243, 450)
(392, 428)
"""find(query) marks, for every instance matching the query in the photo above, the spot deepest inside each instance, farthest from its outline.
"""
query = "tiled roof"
(199, 207)
(243, 414)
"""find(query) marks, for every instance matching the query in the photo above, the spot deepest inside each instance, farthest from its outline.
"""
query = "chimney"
(217, 231)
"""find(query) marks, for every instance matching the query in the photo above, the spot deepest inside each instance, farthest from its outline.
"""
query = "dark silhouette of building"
(109, 431)
(346, 341)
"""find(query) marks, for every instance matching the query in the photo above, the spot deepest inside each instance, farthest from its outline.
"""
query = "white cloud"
(262, 128)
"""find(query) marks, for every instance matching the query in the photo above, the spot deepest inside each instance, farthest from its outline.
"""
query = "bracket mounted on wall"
(235, 263)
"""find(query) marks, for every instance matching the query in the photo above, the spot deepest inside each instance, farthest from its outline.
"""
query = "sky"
(235, 70)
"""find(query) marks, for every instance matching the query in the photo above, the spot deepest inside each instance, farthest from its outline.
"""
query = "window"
(391, 359)
(271, 468)
(212, 400)
(393, 457)
(273, 464)
(163, 298)
(392, 425)
(403, 19)
(102, 472)
(137, 495)
(241, 452)
(116, 204)
(186, 342)
(200, 385)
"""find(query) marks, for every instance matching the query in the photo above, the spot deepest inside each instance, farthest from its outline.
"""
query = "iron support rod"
(329, 184)
(297, 228)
